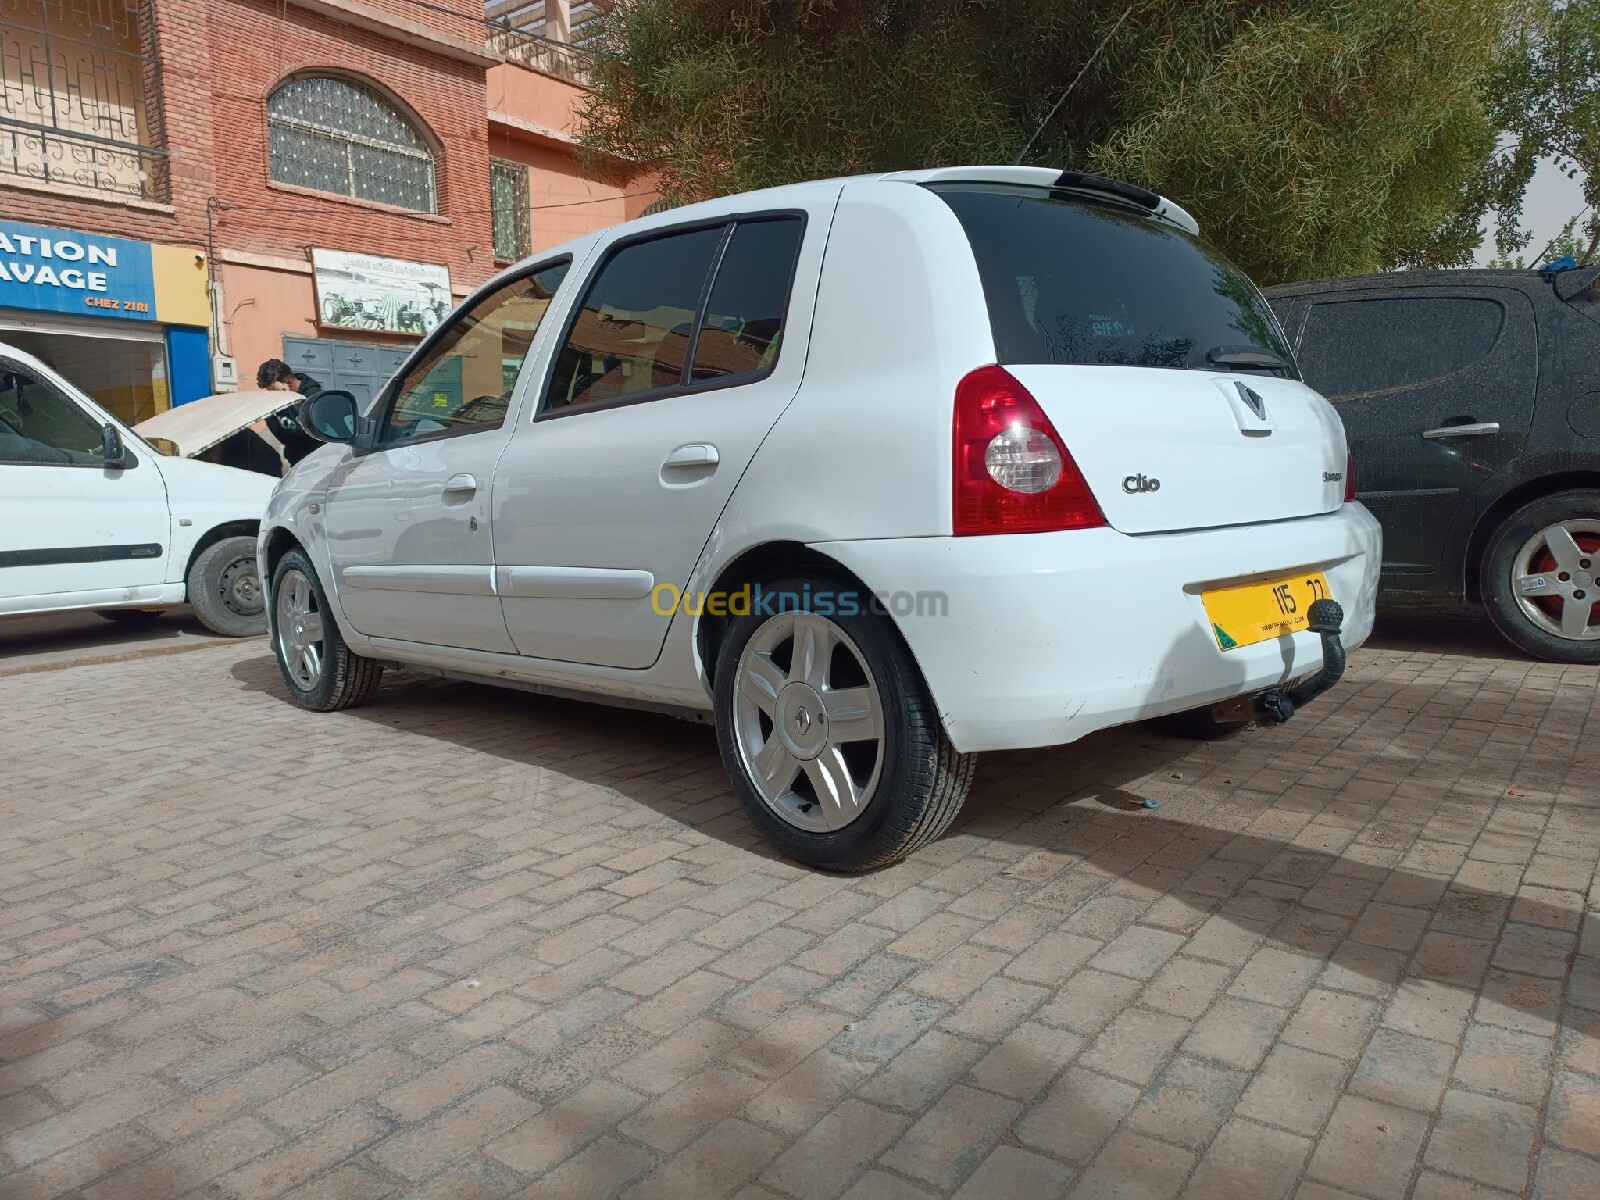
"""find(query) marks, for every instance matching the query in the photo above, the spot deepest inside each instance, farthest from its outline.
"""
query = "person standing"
(289, 426)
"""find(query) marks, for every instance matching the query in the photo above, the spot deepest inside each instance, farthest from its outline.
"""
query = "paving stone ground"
(471, 943)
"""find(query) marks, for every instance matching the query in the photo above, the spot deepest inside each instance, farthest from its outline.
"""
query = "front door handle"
(696, 454)
(460, 483)
(1471, 429)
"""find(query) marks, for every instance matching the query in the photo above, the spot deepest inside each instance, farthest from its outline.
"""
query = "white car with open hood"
(247, 430)
(874, 473)
(92, 517)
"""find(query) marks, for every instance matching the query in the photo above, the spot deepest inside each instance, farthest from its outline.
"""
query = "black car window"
(631, 334)
(463, 383)
(1355, 347)
(743, 325)
(1071, 280)
(40, 425)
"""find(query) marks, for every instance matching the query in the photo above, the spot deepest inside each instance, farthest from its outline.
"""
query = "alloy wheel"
(809, 721)
(299, 628)
(1556, 579)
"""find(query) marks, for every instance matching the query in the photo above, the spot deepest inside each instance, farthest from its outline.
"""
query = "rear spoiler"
(1117, 191)
(1067, 183)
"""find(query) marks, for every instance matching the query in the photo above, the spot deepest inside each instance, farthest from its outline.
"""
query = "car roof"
(21, 357)
(792, 194)
(1485, 276)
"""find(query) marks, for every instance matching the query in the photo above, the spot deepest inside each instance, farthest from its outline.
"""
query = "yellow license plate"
(1254, 612)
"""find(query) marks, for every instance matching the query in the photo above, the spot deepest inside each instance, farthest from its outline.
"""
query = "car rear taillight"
(1013, 474)
(1349, 476)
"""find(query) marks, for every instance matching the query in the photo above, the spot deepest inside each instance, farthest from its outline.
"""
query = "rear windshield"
(1070, 280)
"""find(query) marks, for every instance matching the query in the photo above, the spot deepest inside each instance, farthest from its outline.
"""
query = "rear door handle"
(696, 454)
(1471, 429)
(460, 483)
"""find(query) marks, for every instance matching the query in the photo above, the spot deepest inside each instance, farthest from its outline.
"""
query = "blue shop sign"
(85, 274)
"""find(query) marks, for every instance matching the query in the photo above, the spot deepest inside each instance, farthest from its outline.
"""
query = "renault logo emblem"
(1253, 401)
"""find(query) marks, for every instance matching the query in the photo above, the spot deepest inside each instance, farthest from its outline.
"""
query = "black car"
(1472, 404)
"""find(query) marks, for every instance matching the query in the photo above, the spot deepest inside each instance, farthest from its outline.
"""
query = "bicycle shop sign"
(58, 270)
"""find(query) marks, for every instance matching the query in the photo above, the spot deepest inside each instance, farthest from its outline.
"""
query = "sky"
(1551, 201)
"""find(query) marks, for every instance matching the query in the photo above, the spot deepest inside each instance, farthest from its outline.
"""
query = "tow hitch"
(1276, 705)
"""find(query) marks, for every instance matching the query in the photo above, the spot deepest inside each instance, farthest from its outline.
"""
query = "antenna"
(1023, 153)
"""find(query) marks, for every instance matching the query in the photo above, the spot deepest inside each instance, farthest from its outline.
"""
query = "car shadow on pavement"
(1343, 838)
(51, 640)
(1445, 633)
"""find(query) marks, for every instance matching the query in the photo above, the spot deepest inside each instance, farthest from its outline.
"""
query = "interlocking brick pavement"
(471, 943)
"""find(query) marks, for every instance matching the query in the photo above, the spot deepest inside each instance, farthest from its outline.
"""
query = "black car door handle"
(1472, 429)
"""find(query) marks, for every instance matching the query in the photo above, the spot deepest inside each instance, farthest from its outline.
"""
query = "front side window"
(1076, 281)
(632, 332)
(39, 425)
(334, 135)
(1354, 347)
(508, 199)
(463, 383)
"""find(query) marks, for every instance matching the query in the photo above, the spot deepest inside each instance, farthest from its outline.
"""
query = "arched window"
(337, 136)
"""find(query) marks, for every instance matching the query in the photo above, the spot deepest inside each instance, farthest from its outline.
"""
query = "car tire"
(132, 618)
(320, 670)
(1196, 724)
(224, 588)
(1536, 542)
(837, 802)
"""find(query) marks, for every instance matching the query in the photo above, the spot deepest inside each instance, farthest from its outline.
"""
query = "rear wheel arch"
(1503, 507)
(832, 741)
(763, 564)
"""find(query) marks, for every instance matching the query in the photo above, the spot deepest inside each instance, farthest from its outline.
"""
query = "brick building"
(316, 180)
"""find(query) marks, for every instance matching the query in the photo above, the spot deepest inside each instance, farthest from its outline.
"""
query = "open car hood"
(199, 425)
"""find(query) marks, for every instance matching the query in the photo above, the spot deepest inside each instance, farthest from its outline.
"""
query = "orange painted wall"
(565, 204)
(260, 307)
(533, 96)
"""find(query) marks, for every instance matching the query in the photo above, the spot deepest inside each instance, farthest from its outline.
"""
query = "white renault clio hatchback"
(875, 473)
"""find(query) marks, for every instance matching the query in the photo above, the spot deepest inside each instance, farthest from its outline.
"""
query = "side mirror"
(333, 416)
(112, 449)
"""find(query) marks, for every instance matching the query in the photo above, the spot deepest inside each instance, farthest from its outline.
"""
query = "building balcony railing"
(539, 53)
(60, 156)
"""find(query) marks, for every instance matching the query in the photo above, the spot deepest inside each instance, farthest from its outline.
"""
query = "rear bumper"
(1045, 638)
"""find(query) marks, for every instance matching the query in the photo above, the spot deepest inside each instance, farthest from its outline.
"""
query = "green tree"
(1546, 95)
(1309, 138)
(1566, 242)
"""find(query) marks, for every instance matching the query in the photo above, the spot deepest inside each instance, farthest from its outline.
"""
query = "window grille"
(336, 136)
(508, 197)
(78, 88)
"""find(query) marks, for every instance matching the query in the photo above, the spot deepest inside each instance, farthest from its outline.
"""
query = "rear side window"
(743, 325)
(648, 323)
(631, 333)
(1353, 347)
(1073, 281)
